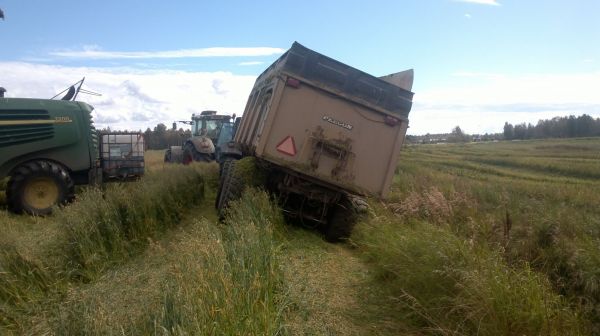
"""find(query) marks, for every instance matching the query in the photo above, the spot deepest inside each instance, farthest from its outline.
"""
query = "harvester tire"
(341, 221)
(231, 188)
(190, 154)
(36, 187)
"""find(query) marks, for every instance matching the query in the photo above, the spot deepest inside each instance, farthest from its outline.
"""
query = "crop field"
(475, 239)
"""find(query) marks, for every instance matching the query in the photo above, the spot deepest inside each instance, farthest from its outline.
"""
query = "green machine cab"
(48, 146)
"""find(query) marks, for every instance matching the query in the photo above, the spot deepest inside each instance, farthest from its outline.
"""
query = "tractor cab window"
(197, 127)
(226, 134)
(212, 128)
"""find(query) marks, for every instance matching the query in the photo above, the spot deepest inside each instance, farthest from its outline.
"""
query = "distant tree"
(161, 138)
(557, 127)
(520, 131)
(508, 131)
(585, 125)
(457, 135)
(160, 128)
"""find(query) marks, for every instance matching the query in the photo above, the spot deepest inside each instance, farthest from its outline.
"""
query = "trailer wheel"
(341, 221)
(231, 187)
(191, 154)
(38, 186)
(167, 156)
(224, 168)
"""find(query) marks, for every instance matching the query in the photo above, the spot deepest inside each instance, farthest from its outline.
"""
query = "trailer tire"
(224, 168)
(36, 187)
(167, 156)
(231, 188)
(341, 221)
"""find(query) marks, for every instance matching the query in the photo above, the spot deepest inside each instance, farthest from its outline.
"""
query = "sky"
(477, 63)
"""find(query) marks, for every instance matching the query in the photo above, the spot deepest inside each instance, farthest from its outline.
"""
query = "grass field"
(493, 238)
(482, 238)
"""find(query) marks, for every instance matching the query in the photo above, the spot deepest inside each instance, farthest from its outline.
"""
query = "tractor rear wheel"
(36, 187)
(190, 154)
(231, 187)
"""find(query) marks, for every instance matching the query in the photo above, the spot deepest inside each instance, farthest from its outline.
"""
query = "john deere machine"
(48, 146)
(210, 132)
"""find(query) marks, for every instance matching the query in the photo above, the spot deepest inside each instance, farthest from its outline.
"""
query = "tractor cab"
(209, 132)
(219, 128)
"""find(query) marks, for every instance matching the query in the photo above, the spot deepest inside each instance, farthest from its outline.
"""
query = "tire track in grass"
(330, 291)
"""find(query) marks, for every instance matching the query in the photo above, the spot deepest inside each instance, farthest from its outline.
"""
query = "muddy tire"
(36, 187)
(167, 158)
(231, 187)
(341, 222)
(190, 154)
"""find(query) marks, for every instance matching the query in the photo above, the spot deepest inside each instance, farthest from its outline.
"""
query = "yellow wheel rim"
(41, 193)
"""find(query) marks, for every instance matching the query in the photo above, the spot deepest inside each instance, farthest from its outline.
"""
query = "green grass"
(476, 239)
(443, 284)
(103, 228)
(200, 279)
(456, 265)
(236, 288)
(145, 258)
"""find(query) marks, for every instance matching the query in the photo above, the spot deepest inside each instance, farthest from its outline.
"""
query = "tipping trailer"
(48, 146)
(327, 133)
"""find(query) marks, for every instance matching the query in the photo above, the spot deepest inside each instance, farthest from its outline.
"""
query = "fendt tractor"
(210, 132)
(48, 146)
(327, 134)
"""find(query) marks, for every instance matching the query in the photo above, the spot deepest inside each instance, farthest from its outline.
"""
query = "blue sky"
(477, 63)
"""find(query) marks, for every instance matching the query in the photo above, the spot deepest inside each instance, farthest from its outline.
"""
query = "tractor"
(210, 132)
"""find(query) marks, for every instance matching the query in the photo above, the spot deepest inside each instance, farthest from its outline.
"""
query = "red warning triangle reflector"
(287, 146)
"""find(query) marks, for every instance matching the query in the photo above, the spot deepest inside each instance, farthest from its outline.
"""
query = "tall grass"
(445, 285)
(107, 226)
(501, 237)
(204, 280)
(22, 281)
(474, 240)
(101, 229)
(234, 285)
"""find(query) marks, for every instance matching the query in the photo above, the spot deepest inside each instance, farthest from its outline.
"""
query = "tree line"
(557, 127)
(160, 137)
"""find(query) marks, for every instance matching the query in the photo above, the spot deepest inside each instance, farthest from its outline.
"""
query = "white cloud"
(482, 102)
(137, 99)
(481, 2)
(250, 63)
(468, 16)
(133, 98)
(94, 52)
